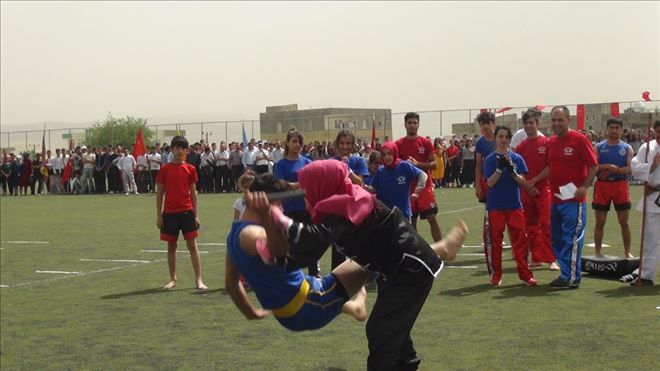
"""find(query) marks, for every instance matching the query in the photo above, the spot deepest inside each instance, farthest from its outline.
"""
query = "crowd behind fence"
(433, 123)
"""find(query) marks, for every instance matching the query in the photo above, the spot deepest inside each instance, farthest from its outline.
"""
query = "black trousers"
(399, 301)
(222, 179)
(261, 169)
(236, 172)
(153, 174)
(468, 172)
(99, 181)
(303, 216)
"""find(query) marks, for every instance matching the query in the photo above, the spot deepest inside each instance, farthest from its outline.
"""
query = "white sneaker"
(126, 193)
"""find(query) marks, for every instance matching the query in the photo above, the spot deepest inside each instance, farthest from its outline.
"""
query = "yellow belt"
(295, 304)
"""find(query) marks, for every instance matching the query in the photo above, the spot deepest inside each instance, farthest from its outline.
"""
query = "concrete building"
(322, 124)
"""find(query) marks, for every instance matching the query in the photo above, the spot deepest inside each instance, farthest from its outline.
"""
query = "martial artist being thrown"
(384, 243)
(257, 248)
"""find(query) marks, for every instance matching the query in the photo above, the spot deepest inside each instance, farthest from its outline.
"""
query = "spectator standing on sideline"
(154, 159)
(127, 165)
(571, 160)
(419, 151)
(467, 163)
(142, 177)
(261, 159)
(534, 150)
(222, 175)
(235, 165)
(277, 154)
(248, 157)
(206, 174)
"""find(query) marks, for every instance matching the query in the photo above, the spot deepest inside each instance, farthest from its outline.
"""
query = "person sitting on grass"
(176, 182)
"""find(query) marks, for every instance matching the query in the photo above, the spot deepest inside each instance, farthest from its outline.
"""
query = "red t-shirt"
(177, 179)
(535, 153)
(420, 149)
(569, 158)
(452, 151)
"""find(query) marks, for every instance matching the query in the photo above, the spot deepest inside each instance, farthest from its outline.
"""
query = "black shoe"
(560, 284)
(410, 364)
(643, 282)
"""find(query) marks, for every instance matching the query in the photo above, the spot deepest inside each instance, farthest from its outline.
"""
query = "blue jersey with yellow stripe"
(273, 285)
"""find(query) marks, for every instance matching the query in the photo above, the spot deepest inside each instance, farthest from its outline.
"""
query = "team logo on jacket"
(569, 151)
(622, 152)
(541, 150)
(401, 180)
(421, 150)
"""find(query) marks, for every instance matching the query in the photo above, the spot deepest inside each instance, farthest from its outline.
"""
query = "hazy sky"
(76, 61)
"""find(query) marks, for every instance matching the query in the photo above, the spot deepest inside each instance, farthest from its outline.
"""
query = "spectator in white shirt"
(206, 170)
(261, 159)
(57, 163)
(222, 183)
(127, 165)
(277, 154)
(154, 161)
(87, 180)
(248, 157)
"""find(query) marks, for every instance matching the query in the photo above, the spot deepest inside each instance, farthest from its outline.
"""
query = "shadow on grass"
(221, 290)
(520, 290)
(467, 291)
(136, 293)
(625, 290)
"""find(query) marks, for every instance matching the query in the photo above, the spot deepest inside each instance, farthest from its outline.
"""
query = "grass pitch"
(113, 314)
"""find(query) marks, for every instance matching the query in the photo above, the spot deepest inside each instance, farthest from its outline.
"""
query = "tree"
(114, 131)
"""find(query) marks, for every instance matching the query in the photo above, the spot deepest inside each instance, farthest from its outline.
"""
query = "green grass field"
(113, 315)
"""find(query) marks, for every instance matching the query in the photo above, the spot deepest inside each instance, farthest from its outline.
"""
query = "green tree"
(114, 130)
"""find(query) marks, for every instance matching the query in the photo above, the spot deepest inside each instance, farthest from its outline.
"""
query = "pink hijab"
(395, 153)
(330, 192)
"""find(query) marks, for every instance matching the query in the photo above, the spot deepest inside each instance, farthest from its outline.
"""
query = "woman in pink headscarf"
(384, 243)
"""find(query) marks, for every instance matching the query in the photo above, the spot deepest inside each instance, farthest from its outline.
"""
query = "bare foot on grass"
(170, 285)
(201, 286)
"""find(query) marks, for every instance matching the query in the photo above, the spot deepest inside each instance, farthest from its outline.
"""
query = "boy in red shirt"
(177, 180)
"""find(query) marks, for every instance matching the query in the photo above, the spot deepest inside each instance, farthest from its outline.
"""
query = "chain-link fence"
(324, 127)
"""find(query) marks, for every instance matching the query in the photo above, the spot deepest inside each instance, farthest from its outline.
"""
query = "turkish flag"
(580, 116)
(483, 110)
(67, 171)
(503, 109)
(614, 109)
(139, 148)
(646, 96)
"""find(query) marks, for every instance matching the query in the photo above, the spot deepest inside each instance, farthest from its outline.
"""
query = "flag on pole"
(373, 131)
(138, 148)
(43, 147)
(540, 107)
(614, 109)
(646, 96)
(66, 174)
(482, 110)
(245, 141)
(503, 109)
(580, 116)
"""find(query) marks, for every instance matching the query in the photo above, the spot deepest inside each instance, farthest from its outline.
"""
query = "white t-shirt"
(153, 165)
(276, 154)
(207, 159)
(261, 153)
(240, 205)
(126, 163)
(519, 136)
(88, 157)
(141, 162)
(222, 157)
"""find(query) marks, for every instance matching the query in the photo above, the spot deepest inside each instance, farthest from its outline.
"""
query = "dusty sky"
(74, 62)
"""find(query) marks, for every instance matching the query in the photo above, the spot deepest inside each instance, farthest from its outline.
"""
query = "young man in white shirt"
(154, 161)
(277, 154)
(127, 166)
(87, 180)
(261, 159)
(222, 169)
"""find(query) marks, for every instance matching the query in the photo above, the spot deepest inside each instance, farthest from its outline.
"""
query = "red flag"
(580, 116)
(540, 107)
(646, 96)
(373, 131)
(67, 171)
(503, 109)
(138, 148)
(614, 109)
(482, 110)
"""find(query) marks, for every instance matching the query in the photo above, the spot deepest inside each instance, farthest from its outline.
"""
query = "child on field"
(244, 182)
(373, 164)
(392, 180)
(176, 181)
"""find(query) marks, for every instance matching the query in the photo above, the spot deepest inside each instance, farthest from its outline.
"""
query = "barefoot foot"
(201, 286)
(170, 285)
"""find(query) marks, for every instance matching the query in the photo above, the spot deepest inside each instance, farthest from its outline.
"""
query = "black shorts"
(173, 223)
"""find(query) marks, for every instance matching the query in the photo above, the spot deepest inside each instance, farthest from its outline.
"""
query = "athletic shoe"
(644, 282)
(531, 282)
(560, 284)
(628, 278)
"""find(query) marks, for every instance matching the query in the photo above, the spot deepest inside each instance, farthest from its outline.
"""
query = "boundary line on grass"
(179, 251)
(462, 266)
(56, 272)
(115, 260)
(27, 242)
(459, 210)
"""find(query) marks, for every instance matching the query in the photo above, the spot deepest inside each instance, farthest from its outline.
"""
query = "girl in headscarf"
(392, 180)
(383, 242)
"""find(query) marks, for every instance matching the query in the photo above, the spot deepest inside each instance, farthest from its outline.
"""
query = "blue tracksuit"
(567, 223)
